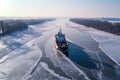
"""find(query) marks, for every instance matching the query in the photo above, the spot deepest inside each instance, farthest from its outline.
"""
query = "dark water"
(76, 54)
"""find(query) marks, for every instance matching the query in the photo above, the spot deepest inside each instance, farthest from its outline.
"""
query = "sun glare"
(2, 3)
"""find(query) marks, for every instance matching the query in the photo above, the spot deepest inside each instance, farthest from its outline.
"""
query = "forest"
(106, 26)
(11, 25)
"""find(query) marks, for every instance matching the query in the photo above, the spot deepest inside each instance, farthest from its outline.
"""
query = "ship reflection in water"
(76, 54)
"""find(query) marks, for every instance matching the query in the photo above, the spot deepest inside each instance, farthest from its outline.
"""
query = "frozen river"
(31, 54)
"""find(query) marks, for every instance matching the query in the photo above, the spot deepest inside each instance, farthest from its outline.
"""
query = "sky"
(60, 8)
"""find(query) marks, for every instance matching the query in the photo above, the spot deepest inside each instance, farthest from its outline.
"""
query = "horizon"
(60, 8)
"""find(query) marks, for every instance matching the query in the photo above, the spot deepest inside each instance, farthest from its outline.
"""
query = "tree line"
(100, 25)
(11, 25)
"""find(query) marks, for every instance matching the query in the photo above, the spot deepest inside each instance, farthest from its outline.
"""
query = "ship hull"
(63, 47)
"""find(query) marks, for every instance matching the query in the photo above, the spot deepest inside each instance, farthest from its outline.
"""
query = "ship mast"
(60, 30)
